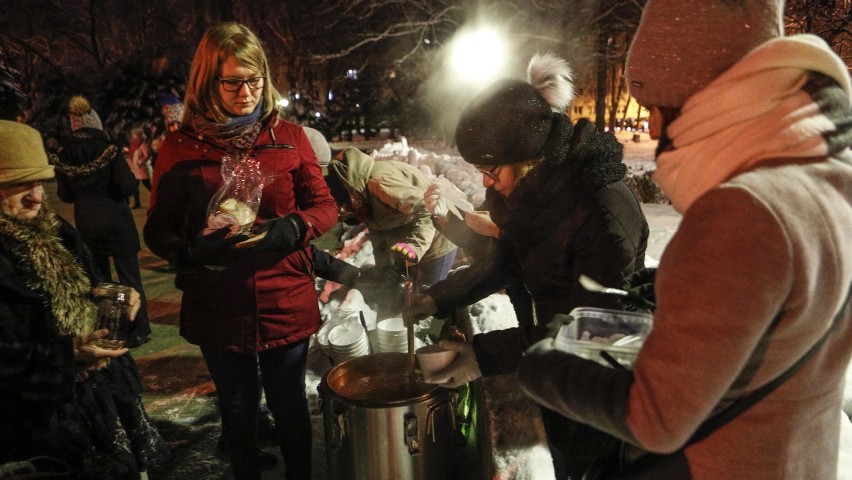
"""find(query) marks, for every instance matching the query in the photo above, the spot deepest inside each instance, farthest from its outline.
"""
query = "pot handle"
(453, 408)
(338, 430)
(410, 426)
(451, 412)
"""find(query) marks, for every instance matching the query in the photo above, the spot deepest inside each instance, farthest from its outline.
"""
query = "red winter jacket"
(266, 299)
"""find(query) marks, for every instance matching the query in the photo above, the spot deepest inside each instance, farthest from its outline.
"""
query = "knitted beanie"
(172, 109)
(82, 114)
(511, 120)
(22, 155)
(321, 148)
(683, 45)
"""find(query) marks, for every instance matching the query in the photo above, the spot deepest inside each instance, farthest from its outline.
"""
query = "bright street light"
(478, 57)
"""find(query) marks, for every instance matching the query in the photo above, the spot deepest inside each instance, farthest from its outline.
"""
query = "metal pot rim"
(391, 386)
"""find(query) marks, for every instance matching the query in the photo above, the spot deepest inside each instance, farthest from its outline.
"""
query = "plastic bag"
(451, 199)
(236, 202)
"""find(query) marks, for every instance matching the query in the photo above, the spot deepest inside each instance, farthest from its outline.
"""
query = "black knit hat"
(508, 122)
(511, 120)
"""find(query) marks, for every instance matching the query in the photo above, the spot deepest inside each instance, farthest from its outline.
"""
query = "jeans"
(283, 373)
(434, 270)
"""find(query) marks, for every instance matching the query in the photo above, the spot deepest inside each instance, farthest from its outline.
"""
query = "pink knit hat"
(683, 45)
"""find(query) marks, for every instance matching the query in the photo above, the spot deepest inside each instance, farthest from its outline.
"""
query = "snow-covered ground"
(495, 312)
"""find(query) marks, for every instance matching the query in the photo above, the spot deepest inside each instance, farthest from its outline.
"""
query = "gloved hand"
(432, 199)
(281, 233)
(640, 285)
(464, 368)
(422, 306)
(405, 250)
(211, 249)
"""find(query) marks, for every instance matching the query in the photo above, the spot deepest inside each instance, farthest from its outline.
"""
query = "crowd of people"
(754, 135)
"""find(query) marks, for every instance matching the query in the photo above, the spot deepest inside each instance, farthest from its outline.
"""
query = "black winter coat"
(571, 215)
(92, 173)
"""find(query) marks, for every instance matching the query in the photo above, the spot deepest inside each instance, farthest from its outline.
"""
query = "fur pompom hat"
(511, 120)
(22, 155)
(82, 114)
(683, 45)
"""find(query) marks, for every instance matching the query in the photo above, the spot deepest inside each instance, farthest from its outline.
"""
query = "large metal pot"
(379, 424)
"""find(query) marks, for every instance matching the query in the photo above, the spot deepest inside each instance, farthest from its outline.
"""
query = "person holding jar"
(67, 405)
(245, 307)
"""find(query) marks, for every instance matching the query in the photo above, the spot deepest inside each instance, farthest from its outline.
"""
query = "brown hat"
(22, 155)
(683, 45)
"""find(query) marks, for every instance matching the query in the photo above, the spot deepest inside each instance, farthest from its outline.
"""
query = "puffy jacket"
(266, 299)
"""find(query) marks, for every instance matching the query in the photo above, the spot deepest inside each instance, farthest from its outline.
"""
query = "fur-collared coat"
(92, 173)
(97, 426)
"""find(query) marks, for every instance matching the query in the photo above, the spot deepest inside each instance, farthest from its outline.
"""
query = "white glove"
(434, 203)
(464, 368)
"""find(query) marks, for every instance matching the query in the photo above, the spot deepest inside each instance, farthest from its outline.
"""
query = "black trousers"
(236, 380)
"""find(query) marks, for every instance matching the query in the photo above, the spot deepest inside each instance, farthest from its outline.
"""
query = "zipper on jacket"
(285, 146)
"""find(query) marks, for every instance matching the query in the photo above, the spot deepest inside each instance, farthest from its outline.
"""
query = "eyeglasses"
(491, 172)
(236, 84)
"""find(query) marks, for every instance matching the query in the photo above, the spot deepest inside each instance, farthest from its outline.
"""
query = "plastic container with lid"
(591, 331)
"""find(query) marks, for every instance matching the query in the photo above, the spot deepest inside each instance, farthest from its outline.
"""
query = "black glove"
(281, 233)
(640, 285)
(211, 249)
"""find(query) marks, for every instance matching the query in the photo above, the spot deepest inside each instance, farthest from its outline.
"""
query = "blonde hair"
(521, 169)
(219, 43)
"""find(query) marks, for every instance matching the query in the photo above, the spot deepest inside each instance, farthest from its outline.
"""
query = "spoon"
(594, 286)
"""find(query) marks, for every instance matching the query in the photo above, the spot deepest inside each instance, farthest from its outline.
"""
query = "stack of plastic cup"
(392, 335)
(348, 340)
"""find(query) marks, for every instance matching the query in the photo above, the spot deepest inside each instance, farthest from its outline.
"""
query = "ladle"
(594, 286)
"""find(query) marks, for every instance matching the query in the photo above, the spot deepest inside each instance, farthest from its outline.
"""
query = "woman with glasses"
(555, 191)
(245, 307)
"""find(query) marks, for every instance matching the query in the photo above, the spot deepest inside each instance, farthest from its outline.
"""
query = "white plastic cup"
(433, 358)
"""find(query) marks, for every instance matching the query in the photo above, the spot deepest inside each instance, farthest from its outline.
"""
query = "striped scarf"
(787, 99)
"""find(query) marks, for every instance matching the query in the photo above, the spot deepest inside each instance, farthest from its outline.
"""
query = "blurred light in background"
(478, 57)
